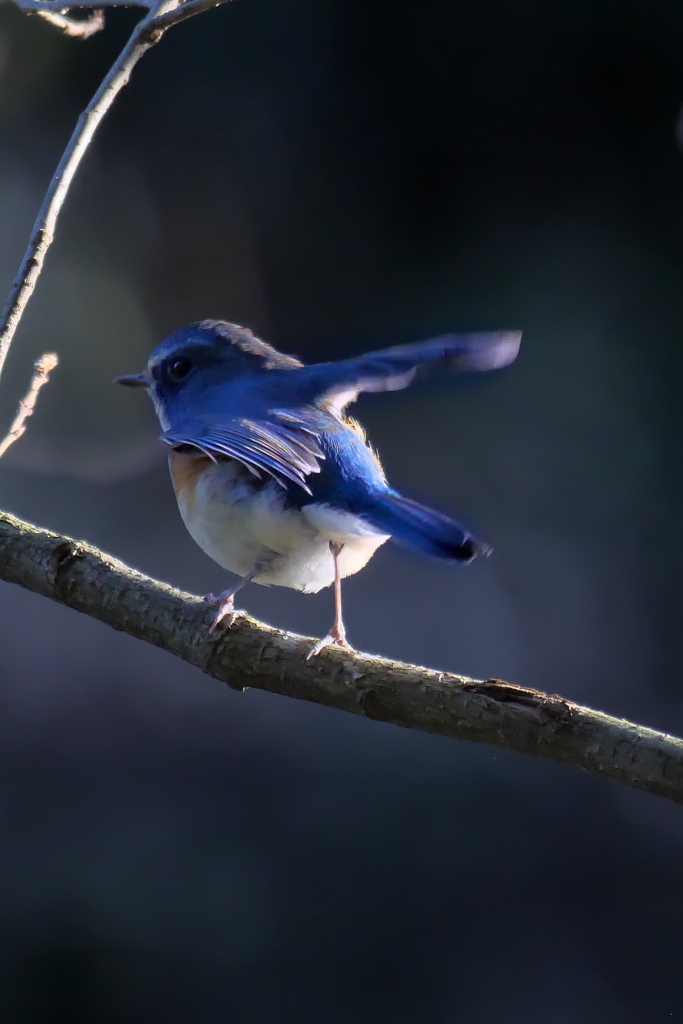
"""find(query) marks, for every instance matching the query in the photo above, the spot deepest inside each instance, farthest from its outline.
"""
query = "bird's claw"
(335, 638)
(226, 613)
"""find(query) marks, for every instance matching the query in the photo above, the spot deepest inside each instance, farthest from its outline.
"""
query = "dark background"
(339, 175)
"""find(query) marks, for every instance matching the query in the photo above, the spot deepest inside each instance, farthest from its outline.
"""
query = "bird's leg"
(337, 635)
(225, 602)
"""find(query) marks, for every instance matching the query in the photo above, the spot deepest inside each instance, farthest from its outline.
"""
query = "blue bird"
(273, 480)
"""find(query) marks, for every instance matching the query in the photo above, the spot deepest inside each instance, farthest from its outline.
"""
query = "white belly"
(243, 527)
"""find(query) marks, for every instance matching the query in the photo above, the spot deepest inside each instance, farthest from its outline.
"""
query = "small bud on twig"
(43, 368)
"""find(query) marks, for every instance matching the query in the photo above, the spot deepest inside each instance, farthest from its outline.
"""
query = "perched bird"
(273, 481)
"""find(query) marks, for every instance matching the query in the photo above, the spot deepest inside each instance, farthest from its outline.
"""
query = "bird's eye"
(179, 369)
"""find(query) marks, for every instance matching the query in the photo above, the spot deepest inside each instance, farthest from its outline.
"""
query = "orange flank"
(186, 469)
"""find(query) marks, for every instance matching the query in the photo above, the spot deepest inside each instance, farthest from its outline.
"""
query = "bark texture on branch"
(251, 654)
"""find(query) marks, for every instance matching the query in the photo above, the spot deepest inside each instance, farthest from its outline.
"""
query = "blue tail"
(422, 529)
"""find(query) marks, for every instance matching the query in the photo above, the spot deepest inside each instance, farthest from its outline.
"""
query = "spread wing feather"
(391, 369)
(284, 451)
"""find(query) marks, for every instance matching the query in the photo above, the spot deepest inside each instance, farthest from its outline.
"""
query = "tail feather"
(420, 528)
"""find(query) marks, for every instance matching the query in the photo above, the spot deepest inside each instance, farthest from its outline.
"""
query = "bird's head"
(194, 360)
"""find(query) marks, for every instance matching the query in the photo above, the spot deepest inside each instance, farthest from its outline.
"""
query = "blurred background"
(341, 175)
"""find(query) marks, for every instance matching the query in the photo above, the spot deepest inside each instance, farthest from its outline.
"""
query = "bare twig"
(81, 28)
(41, 374)
(56, 6)
(185, 11)
(147, 32)
(251, 654)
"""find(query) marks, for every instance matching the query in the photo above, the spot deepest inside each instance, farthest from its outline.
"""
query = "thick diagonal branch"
(253, 655)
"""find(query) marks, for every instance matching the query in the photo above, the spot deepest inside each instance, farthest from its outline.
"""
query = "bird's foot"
(225, 602)
(336, 637)
(226, 612)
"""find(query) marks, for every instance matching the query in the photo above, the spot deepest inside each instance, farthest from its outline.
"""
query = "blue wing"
(336, 384)
(284, 443)
(285, 449)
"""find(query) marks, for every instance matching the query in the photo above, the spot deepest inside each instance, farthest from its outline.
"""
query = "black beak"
(133, 380)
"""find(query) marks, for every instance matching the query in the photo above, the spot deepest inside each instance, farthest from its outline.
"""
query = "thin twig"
(41, 6)
(147, 32)
(80, 28)
(185, 11)
(250, 654)
(44, 227)
(41, 374)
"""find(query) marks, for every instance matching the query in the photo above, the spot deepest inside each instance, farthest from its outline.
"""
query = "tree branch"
(41, 375)
(56, 6)
(187, 10)
(147, 33)
(251, 654)
(78, 28)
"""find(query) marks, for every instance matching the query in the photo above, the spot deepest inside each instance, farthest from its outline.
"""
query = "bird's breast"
(243, 523)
